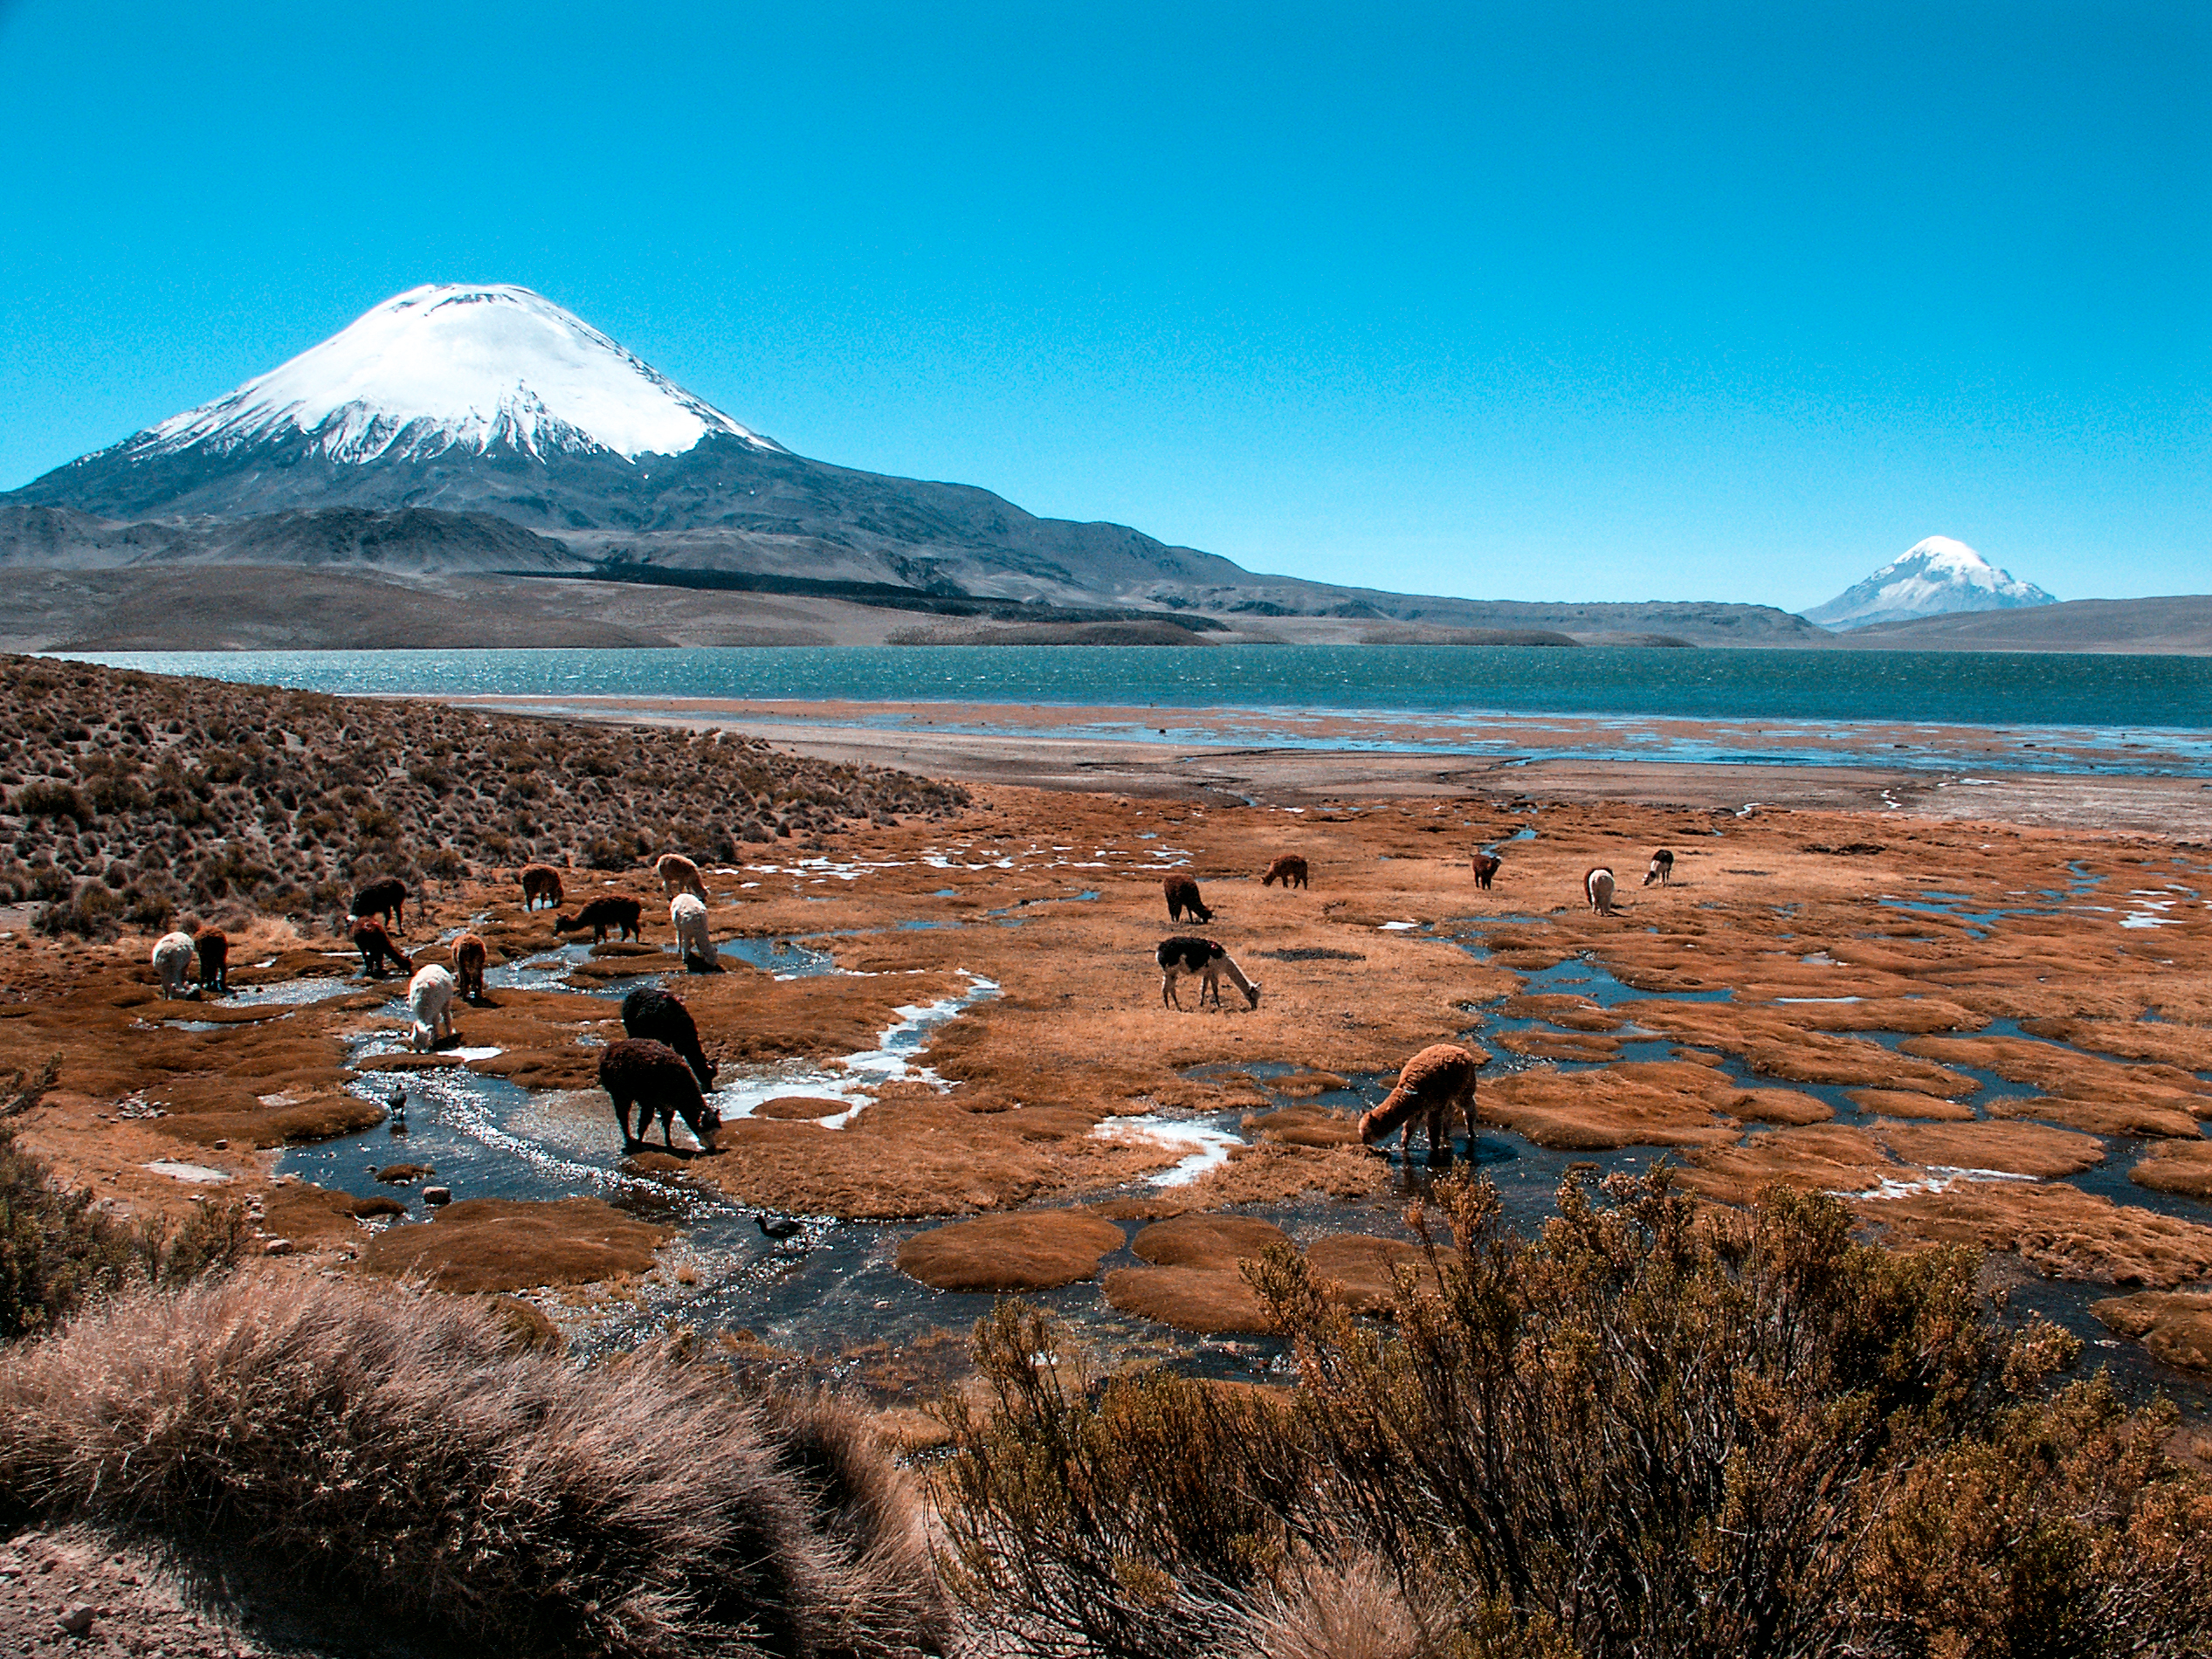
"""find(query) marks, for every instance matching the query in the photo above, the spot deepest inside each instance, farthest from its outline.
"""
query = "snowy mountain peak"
(456, 366)
(1934, 576)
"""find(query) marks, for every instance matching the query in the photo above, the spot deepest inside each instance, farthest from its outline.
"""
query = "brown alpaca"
(386, 898)
(1662, 870)
(1288, 868)
(678, 875)
(376, 949)
(215, 960)
(1597, 887)
(1435, 1083)
(623, 915)
(541, 882)
(1486, 865)
(1183, 894)
(468, 966)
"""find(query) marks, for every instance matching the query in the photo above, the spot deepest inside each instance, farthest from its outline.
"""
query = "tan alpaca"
(1435, 1083)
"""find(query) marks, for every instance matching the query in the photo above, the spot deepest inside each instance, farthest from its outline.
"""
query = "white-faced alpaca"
(1486, 866)
(174, 954)
(1435, 1083)
(429, 998)
(1185, 954)
(1662, 869)
(693, 943)
(678, 875)
(1597, 887)
(1288, 868)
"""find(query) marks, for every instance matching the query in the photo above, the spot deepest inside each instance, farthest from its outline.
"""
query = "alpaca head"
(1251, 993)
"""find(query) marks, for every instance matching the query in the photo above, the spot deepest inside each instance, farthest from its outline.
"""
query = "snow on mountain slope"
(453, 367)
(1936, 576)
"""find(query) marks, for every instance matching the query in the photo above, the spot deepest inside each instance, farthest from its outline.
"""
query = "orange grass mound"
(509, 1245)
(1653, 1103)
(2137, 1119)
(1359, 1271)
(2184, 1166)
(2059, 1230)
(2062, 1071)
(808, 1107)
(2176, 1328)
(2010, 1148)
(1901, 1103)
(1028, 1250)
(1195, 1284)
(1305, 1126)
(1830, 1158)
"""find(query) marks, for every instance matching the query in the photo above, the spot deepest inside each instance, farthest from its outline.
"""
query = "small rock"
(435, 1196)
(277, 1246)
(76, 1621)
(222, 1145)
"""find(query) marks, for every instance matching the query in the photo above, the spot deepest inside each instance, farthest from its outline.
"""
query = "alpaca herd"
(659, 1068)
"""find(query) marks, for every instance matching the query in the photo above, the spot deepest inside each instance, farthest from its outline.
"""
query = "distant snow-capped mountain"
(447, 366)
(1936, 576)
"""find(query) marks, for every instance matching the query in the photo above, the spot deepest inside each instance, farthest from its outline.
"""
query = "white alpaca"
(687, 913)
(430, 998)
(678, 875)
(174, 955)
(1597, 887)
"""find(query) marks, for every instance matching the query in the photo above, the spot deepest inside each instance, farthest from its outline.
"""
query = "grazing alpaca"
(678, 875)
(1486, 865)
(687, 913)
(173, 954)
(1187, 955)
(1288, 868)
(1183, 894)
(1662, 869)
(541, 882)
(621, 914)
(386, 898)
(215, 960)
(376, 949)
(1435, 1082)
(468, 966)
(429, 998)
(660, 1016)
(653, 1077)
(1597, 887)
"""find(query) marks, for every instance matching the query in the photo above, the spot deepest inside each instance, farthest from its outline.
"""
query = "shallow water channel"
(831, 1290)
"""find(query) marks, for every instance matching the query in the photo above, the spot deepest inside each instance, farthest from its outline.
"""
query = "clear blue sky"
(1522, 301)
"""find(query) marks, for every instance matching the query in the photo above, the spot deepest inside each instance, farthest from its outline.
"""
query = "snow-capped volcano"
(1936, 576)
(452, 367)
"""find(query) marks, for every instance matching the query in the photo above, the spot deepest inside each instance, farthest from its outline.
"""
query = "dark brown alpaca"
(1486, 865)
(1183, 894)
(621, 914)
(214, 959)
(654, 1078)
(1185, 954)
(541, 882)
(1435, 1083)
(376, 949)
(1288, 868)
(1662, 870)
(468, 966)
(386, 898)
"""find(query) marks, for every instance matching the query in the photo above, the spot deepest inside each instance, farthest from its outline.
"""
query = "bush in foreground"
(399, 1453)
(1648, 1431)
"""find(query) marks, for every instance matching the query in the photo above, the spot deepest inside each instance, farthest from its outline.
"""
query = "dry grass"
(402, 1453)
(126, 797)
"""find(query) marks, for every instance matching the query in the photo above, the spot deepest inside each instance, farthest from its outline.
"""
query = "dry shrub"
(402, 1453)
(58, 1252)
(1649, 1430)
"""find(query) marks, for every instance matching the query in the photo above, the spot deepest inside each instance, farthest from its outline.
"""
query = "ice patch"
(199, 1174)
(1210, 1145)
(890, 1060)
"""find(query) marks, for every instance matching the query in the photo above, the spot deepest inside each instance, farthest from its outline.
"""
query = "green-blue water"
(2163, 702)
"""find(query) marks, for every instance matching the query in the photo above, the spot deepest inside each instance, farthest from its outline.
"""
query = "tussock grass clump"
(404, 1454)
(1649, 1430)
(58, 1252)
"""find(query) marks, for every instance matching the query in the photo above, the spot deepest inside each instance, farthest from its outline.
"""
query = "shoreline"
(1967, 773)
